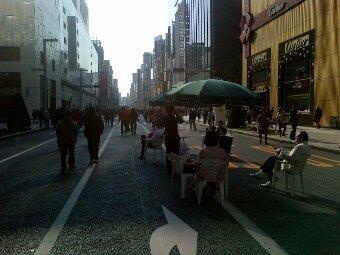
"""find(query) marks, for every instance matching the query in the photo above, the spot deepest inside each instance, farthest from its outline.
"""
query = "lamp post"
(45, 87)
(81, 94)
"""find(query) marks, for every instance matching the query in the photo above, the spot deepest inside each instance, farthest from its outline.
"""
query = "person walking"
(123, 118)
(263, 121)
(67, 132)
(192, 119)
(94, 127)
(133, 120)
(294, 121)
(281, 121)
(172, 138)
(317, 116)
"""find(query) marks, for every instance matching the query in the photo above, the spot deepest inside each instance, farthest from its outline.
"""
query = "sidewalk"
(34, 128)
(325, 139)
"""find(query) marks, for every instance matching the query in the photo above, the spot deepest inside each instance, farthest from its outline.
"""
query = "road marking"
(25, 151)
(51, 237)
(52, 133)
(176, 232)
(309, 161)
(258, 234)
(328, 159)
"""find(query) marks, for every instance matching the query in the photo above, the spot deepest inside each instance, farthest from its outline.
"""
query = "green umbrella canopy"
(214, 92)
(159, 100)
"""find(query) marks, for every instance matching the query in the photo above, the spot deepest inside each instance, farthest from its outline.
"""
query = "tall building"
(147, 81)
(291, 55)
(71, 62)
(179, 46)
(108, 88)
(159, 64)
(101, 80)
(211, 40)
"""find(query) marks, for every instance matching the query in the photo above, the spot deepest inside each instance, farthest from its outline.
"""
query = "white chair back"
(175, 162)
(213, 169)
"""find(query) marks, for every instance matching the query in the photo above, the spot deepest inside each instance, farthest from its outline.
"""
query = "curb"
(21, 133)
(285, 141)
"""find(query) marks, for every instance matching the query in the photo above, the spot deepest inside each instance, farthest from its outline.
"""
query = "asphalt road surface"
(120, 204)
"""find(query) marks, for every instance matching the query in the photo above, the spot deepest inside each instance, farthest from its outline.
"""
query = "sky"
(127, 29)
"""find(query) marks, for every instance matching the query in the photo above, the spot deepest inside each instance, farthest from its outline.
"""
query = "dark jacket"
(67, 131)
(94, 126)
(294, 117)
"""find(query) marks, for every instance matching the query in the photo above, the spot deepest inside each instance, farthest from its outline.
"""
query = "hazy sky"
(127, 29)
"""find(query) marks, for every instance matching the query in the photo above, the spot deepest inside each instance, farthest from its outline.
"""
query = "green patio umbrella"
(213, 92)
(159, 100)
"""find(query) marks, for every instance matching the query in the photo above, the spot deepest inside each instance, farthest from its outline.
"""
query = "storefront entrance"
(296, 72)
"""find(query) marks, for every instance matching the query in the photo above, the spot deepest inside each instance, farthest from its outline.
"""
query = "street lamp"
(81, 94)
(45, 87)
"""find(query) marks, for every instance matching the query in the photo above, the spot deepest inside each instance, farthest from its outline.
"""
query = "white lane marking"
(52, 133)
(258, 234)
(25, 151)
(176, 232)
(51, 237)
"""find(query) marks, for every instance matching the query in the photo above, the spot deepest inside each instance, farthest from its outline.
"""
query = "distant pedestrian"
(263, 121)
(294, 121)
(192, 119)
(41, 117)
(124, 120)
(281, 121)
(133, 117)
(67, 131)
(94, 127)
(211, 118)
(317, 116)
(46, 117)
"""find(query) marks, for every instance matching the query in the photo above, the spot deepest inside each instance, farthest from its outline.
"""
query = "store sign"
(260, 88)
(297, 43)
(259, 58)
(276, 9)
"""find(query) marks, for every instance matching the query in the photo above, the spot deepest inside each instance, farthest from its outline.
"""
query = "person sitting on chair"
(212, 150)
(221, 128)
(148, 141)
(298, 155)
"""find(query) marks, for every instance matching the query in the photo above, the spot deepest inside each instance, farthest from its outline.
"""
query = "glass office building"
(211, 40)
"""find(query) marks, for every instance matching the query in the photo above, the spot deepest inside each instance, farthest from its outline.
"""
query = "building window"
(9, 53)
(78, 56)
(65, 26)
(91, 63)
(64, 10)
(53, 65)
(77, 44)
(65, 41)
(65, 55)
(65, 71)
(77, 32)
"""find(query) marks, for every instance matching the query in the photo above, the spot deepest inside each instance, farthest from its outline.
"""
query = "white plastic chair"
(158, 146)
(177, 169)
(211, 168)
(290, 171)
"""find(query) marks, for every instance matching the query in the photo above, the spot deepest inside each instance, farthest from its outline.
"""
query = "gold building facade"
(291, 55)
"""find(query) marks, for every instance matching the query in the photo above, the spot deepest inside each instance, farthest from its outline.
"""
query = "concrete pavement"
(122, 202)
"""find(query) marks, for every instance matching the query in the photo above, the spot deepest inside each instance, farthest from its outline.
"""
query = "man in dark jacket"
(94, 127)
(317, 116)
(172, 138)
(67, 131)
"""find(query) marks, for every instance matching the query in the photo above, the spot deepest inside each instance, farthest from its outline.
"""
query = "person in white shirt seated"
(152, 137)
(298, 155)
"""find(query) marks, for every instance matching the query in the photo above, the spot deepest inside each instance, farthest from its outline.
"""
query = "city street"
(116, 206)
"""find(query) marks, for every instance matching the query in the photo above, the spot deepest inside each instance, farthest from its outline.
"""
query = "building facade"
(291, 55)
(71, 62)
(212, 49)
(178, 42)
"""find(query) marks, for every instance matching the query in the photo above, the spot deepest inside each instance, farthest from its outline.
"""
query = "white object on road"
(176, 232)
